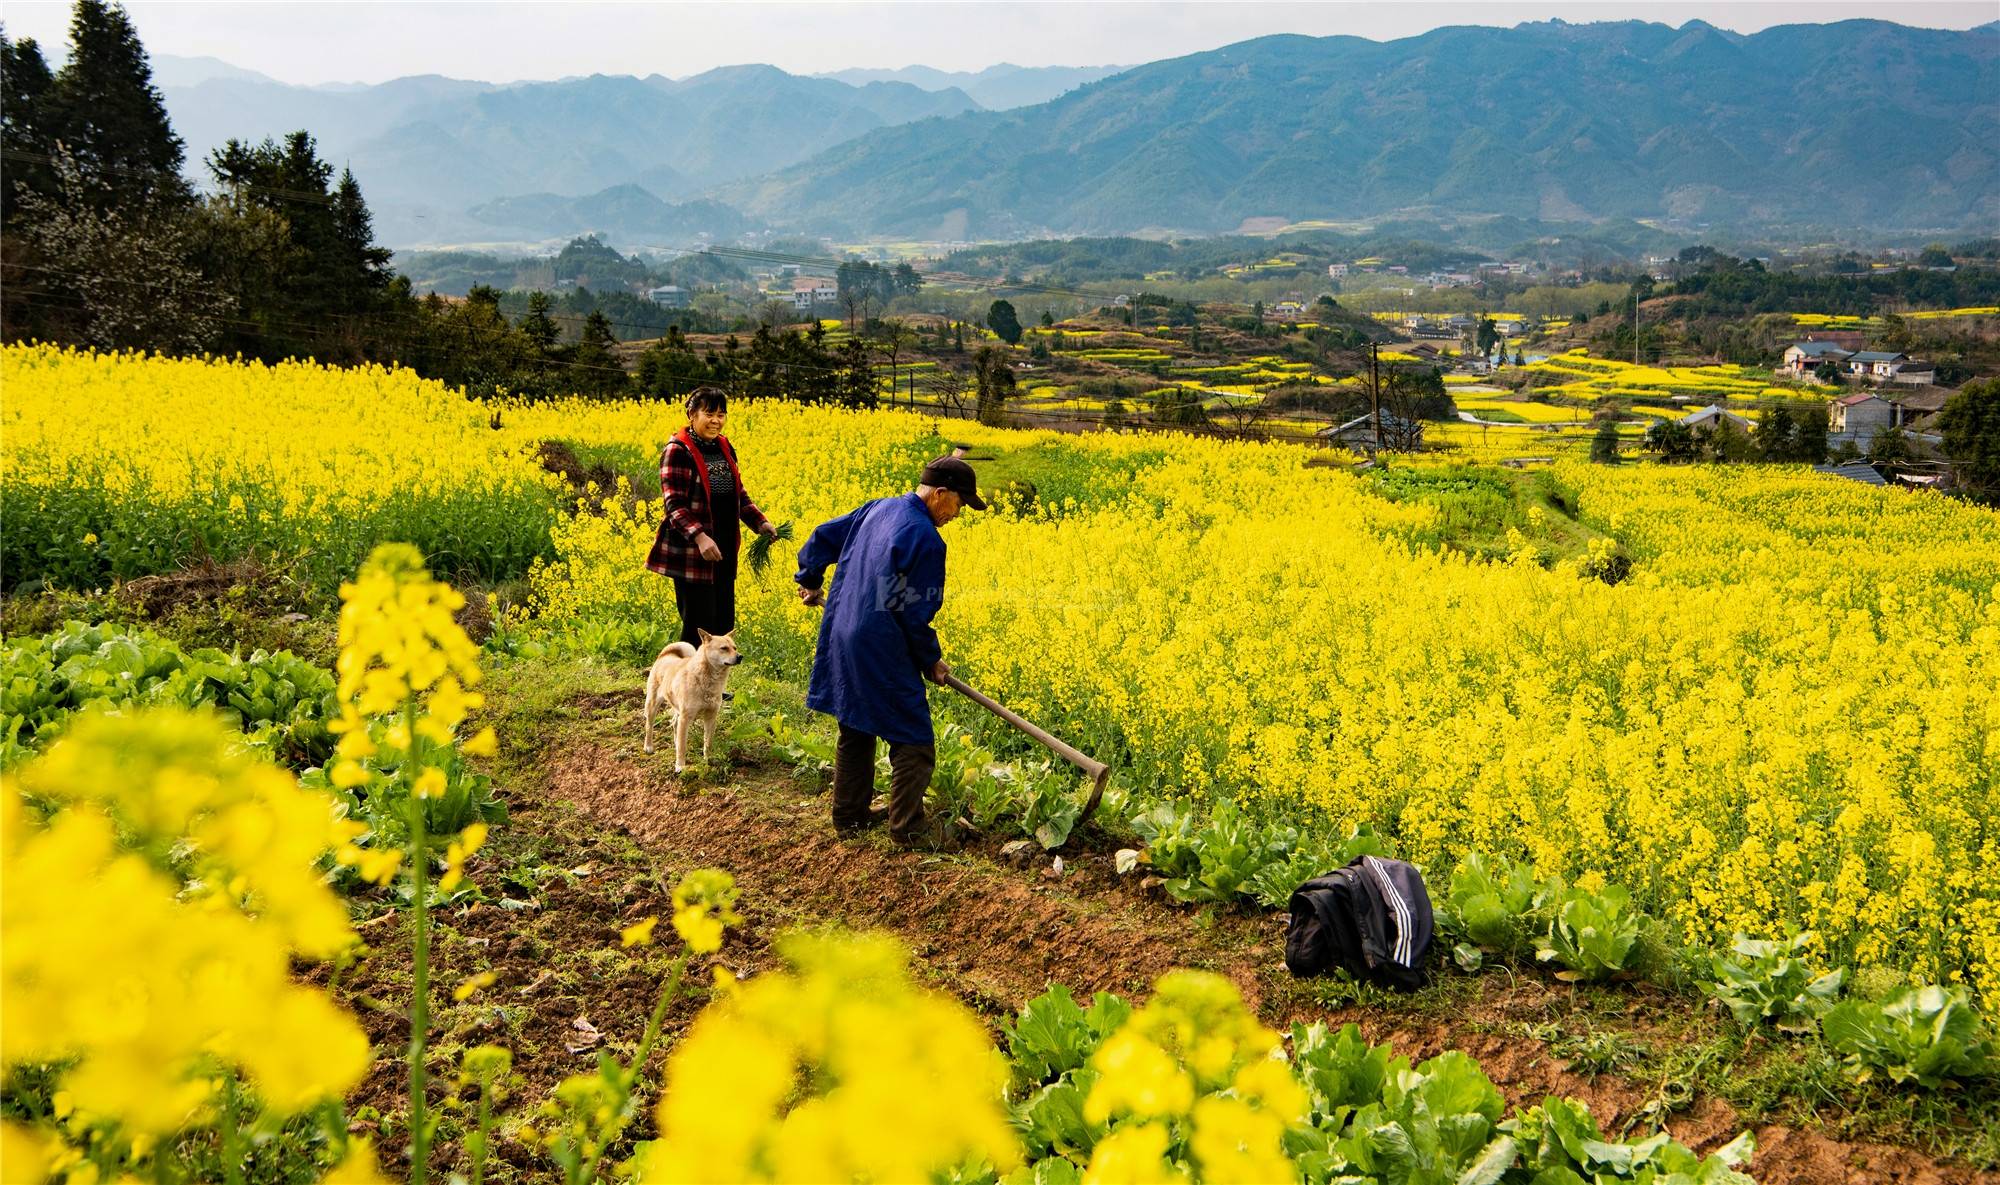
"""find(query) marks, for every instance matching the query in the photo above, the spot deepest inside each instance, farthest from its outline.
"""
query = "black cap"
(950, 473)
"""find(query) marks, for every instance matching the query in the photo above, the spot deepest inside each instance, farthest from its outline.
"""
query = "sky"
(319, 42)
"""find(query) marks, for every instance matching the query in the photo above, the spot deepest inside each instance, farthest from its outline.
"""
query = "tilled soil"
(997, 935)
(614, 829)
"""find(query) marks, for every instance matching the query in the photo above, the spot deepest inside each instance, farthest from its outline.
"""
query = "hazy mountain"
(427, 149)
(173, 70)
(624, 213)
(996, 88)
(1857, 123)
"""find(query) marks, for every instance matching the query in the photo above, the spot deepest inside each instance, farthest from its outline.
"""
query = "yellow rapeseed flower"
(639, 933)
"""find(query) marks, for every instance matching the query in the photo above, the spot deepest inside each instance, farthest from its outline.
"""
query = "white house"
(1336, 270)
(1875, 364)
(1288, 310)
(668, 296)
(1802, 358)
(1714, 416)
(810, 292)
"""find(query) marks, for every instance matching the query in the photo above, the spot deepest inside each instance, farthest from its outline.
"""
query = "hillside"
(1848, 124)
(426, 149)
(625, 213)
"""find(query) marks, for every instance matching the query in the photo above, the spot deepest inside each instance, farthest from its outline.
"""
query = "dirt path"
(996, 935)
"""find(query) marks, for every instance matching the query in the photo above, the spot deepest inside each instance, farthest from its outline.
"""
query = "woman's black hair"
(707, 399)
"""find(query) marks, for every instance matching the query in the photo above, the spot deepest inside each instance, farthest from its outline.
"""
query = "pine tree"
(597, 366)
(541, 328)
(25, 135)
(364, 266)
(107, 113)
(857, 387)
(336, 270)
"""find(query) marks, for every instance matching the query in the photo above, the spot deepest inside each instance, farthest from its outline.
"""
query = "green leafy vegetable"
(1925, 1034)
(1770, 982)
(1592, 934)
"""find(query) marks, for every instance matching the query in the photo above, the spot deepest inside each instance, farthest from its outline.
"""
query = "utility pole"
(1375, 387)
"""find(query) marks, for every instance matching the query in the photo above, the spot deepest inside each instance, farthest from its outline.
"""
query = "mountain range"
(996, 88)
(432, 153)
(1853, 125)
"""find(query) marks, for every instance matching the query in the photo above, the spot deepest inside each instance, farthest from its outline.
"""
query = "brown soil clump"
(160, 594)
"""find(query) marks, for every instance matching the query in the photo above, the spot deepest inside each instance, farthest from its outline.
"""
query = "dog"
(690, 681)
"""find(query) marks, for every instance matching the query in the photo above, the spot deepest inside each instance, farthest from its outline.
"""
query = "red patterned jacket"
(684, 487)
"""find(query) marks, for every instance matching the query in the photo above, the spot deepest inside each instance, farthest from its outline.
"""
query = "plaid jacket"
(684, 488)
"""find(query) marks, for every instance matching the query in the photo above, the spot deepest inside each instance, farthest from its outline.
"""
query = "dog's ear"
(706, 637)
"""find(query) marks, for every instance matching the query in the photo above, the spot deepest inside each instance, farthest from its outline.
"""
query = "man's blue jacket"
(875, 640)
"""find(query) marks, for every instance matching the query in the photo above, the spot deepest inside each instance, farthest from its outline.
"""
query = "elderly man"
(876, 644)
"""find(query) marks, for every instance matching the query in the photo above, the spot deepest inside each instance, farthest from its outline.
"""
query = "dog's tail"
(681, 648)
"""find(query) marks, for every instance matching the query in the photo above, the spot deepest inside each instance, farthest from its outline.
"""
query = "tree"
(860, 285)
(336, 271)
(538, 325)
(1486, 337)
(857, 386)
(1889, 447)
(1179, 407)
(669, 368)
(1604, 445)
(595, 363)
(1935, 255)
(470, 344)
(1828, 373)
(1672, 440)
(1970, 429)
(1257, 310)
(947, 386)
(995, 381)
(1810, 437)
(895, 337)
(25, 134)
(1048, 319)
(1776, 435)
(906, 280)
(358, 264)
(1242, 414)
(128, 280)
(109, 116)
(1001, 320)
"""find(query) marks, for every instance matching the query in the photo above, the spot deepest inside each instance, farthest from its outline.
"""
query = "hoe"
(1097, 771)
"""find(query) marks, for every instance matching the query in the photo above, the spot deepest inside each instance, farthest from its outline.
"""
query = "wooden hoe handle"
(1096, 770)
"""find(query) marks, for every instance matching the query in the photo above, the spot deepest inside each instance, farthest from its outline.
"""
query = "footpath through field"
(996, 934)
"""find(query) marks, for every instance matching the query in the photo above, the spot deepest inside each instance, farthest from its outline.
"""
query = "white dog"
(690, 682)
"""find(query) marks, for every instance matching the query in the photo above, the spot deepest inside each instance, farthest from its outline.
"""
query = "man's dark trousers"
(910, 769)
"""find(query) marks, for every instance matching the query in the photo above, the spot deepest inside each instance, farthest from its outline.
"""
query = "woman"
(705, 499)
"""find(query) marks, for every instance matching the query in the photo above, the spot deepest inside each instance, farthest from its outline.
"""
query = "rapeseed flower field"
(1774, 719)
(1783, 719)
